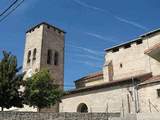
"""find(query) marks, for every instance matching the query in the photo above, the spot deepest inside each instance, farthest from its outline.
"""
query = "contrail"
(94, 52)
(100, 37)
(131, 22)
(119, 18)
(88, 63)
(90, 57)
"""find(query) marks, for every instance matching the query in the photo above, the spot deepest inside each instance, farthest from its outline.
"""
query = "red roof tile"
(90, 76)
(141, 77)
(153, 79)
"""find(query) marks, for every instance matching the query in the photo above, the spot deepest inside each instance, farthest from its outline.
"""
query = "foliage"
(10, 82)
(40, 91)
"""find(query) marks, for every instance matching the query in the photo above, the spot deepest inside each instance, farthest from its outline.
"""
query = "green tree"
(40, 91)
(10, 82)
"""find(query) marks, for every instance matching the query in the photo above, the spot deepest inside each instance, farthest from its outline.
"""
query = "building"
(129, 81)
(44, 48)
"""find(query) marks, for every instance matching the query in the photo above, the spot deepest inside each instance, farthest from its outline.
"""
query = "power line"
(11, 11)
(9, 7)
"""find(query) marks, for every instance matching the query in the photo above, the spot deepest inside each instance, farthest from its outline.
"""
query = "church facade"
(128, 83)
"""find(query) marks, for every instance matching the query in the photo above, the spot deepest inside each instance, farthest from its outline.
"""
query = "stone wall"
(114, 99)
(53, 40)
(148, 116)
(76, 116)
(45, 37)
(33, 41)
(132, 61)
(149, 101)
(57, 116)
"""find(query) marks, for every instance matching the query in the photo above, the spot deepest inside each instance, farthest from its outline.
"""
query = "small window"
(115, 50)
(48, 26)
(56, 58)
(34, 54)
(49, 56)
(36, 70)
(127, 46)
(158, 92)
(32, 30)
(139, 42)
(29, 57)
(121, 65)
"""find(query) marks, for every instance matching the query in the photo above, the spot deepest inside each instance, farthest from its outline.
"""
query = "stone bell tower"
(44, 48)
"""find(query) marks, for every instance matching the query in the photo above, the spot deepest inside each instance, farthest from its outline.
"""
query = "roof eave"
(45, 23)
(132, 41)
(104, 85)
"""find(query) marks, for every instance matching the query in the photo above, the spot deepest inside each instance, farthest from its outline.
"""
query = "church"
(129, 81)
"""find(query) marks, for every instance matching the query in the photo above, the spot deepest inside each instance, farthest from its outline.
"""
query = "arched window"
(29, 57)
(49, 56)
(82, 108)
(34, 53)
(56, 58)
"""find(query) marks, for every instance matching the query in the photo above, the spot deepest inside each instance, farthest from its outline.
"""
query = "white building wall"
(116, 100)
(98, 81)
(155, 65)
(148, 98)
(98, 100)
(33, 40)
(134, 61)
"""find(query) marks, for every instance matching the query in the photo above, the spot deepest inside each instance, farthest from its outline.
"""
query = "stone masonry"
(128, 59)
(57, 116)
(44, 48)
(124, 62)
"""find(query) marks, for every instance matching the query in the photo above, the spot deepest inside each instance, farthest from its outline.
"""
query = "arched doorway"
(82, 108)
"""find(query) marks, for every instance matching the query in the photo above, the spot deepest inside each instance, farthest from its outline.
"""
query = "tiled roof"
(153, 79)
(127, 80)
(44, 23)
(91, 76)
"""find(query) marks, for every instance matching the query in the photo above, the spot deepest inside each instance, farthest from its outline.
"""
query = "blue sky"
(91, 26)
